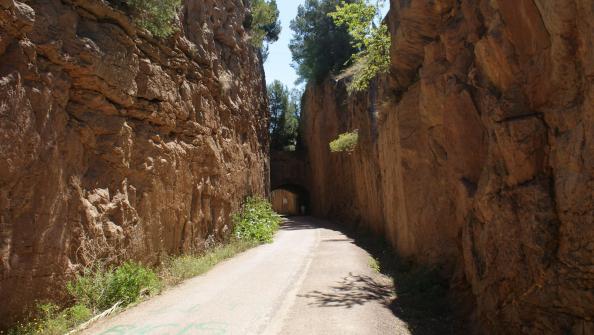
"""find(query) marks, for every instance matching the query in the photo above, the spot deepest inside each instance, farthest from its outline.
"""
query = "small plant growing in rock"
(156, 16)
(346, 142)
(256, 221)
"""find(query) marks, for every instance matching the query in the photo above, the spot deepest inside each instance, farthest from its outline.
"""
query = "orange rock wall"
(476, 153)
(115, 145)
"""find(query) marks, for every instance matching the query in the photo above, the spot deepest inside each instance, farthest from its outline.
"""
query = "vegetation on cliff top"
(331, 35)
(284, 116)
(319, 46)
(264, 24)
(156, 16)
(370, 37)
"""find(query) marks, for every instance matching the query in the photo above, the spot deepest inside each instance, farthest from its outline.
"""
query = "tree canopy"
(319, 46)
(264, 24)
(370, 37)
(284, 116)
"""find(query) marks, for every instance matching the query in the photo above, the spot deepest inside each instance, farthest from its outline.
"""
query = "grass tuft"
(374, 264)
(180, 268)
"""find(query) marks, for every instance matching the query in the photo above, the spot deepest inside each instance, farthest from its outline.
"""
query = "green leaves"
(358, 17)
(370, 37)
(156, 16)
(265, 25)
(128, 282)
(256, 221)
(346, 142)
(319, 46)
(284, 119)
(99, 288)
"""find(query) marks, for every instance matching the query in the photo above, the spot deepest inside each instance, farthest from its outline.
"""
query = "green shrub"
(374, 264)
(99, 288)
(157, 16)
(256, 221)
(128, 282)
(50, 320)
(345, 142)
(89, 287)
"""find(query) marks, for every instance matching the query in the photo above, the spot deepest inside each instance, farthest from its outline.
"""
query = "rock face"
(476, 154)
(115, 145)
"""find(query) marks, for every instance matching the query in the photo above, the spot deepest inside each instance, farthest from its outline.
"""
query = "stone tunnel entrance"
(290, 200)
(288, 182)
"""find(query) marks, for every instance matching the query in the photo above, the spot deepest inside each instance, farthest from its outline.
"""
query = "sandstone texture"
(476, 154)
(115, 145)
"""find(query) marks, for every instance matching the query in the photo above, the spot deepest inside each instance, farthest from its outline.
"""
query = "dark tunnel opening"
(290, 200)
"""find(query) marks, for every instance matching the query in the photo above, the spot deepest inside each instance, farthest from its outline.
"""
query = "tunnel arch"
(290, 199)
(288, 173)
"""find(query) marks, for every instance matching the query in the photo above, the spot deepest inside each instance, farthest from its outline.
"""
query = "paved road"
(311, 280)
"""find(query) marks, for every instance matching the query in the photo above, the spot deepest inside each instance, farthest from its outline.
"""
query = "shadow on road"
(294, 223)
(420, 296)
(351, 291)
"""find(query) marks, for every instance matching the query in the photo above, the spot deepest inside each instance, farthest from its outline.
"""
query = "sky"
(278, 64)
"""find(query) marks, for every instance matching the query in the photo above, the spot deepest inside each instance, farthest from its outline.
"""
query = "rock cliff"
(476, 155)
(115, 145)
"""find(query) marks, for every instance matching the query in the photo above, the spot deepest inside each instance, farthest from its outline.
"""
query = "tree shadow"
(351, 291)
(294, 223)
(420, 296)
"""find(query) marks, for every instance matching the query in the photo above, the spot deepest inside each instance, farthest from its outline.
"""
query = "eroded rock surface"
(476, 154)
(115, 145)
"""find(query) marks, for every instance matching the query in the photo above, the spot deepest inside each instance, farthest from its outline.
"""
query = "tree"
(264, 24)
(284, 120)
(319, 46)
(371, 39)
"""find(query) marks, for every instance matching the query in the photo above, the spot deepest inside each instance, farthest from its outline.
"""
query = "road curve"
(311, 280)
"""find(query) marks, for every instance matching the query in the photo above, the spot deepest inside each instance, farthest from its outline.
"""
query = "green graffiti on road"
(203, 328)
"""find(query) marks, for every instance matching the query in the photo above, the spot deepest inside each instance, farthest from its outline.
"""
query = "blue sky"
(278, 64)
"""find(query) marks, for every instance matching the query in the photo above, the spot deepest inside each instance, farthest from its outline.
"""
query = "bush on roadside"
(100, 289)
(256, 221)
(50, 320)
